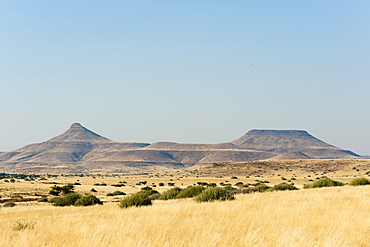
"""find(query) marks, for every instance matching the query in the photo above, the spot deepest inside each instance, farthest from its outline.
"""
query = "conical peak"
(79, 133)
(76, 125)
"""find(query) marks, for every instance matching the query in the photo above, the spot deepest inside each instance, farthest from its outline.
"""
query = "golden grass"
(335, 216)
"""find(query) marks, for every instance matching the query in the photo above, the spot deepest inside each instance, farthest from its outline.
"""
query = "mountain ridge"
(81, 150)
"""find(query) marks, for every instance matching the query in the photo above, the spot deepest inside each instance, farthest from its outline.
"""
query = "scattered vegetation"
(136, 200)
(66, 200)
(214, 194)
(283, 186)
(359, 181)
(170, 194)
(323, 182)
(190, 191)
(9, 204)
(66, 189)
(88, 200)
(116, 193)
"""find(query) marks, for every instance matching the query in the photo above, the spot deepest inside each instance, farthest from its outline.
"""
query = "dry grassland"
(316, 217)
(337, 216)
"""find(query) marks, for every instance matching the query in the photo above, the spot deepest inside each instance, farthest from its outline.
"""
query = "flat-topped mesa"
(272, 139)
(78, 133)
(281, 141)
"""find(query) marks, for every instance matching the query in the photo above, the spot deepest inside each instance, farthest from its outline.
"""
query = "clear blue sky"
(185, 71)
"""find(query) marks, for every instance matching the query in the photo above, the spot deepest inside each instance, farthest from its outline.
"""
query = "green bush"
(190, 191)
(323, 182)
(67, 200)
(9, 204)
(136, 200)
(149, 191)
(66, 189)
(262, 187)
(88, 201)
(213, 194)
(161, 184)
(170, 194)
(283, 186)
(359, 181)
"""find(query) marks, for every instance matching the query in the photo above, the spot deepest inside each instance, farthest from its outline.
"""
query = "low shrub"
(170, 194)
(116, 193)
(88, 201)
(149, 191)
(213, 194)
(359, 181)
(9, 204)
(66, 189)
(262, 187)
(323, 182)
(190, 191)
(67, 200)
(283, 186)
(136, 200)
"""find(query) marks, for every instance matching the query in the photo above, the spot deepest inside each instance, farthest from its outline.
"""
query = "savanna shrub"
(213, 194)
(67, 200)
(359, 181)
(66, 189)
(283, 186)
(262, 187)
(9, 204)
(323, 182)
(116, 193)
(136, 200)
(88, 201)
(170, 194)
(190, 191)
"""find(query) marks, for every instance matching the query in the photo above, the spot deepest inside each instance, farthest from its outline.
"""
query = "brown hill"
(281, 141)
(292, 155)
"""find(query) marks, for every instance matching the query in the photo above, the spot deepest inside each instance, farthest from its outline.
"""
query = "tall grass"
(317, 217)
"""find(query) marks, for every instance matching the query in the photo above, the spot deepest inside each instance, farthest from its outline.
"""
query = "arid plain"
(332, 216)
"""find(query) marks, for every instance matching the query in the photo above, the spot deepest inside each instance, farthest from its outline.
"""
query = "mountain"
(79, 150)
(281, 141)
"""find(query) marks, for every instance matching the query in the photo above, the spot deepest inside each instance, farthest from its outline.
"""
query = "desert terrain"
(331, 216)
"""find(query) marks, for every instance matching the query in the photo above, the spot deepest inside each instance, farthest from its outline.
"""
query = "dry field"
(336, 216)
(316, 217)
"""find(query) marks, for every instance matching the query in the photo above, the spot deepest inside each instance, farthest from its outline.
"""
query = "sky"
(185, 71)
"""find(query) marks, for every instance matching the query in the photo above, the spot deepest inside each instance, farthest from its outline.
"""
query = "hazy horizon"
(189, 72)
